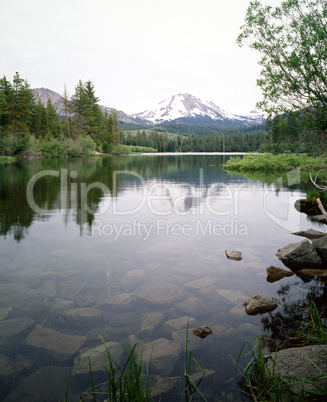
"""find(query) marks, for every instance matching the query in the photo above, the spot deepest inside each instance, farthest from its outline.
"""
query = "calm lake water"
(132, 248)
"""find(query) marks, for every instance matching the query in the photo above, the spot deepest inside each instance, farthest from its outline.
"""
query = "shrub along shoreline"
(281, 162)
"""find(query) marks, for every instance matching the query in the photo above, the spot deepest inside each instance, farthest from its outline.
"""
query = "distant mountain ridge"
(44, 94)
(180, 109)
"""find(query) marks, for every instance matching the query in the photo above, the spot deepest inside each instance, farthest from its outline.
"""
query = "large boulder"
(300, 255)
(321, 247)
(299, 363)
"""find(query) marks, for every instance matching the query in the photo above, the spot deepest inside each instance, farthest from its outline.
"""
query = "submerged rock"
(61, 346)
(83, 314)
(98, 358)
(151, 320)
(131, 279)
(202, 332)
(177, 324)
(233, 255)
(193, 306)
(299, 255)
(258, 305)
(163, 355)
(46, 384)
(12, 331)
(4, 312)
(160, 293)
(274, 274)
(234, 296)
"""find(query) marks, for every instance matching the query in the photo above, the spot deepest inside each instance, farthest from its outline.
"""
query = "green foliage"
(54, 148)
(126, 383)
(269, 162)
(262, 384)
(105, 147)
(88, 145)
(126, 149)
(292, 39)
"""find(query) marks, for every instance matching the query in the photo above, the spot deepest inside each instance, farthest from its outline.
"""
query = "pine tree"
(67, 109)
(52, 119)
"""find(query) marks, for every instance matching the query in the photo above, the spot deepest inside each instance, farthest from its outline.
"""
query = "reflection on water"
(134, 247)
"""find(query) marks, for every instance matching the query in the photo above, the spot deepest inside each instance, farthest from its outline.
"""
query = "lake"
(133, 248)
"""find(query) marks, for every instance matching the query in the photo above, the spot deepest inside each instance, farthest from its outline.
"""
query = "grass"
(131, 383)
(191, 388)
(132, 149)
(281, 162)
(7, 159)
(262, 384)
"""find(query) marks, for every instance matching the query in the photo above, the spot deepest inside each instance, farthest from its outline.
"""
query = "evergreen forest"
(29, 129)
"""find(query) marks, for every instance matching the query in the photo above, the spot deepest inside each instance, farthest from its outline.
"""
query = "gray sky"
(136, 52)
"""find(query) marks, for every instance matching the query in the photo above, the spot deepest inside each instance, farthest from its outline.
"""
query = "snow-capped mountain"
(182, 108)
(186, 108)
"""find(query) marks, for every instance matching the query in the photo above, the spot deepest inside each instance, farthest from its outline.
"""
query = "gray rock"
(4, 312)
(321, 247)
(205, 282)
(13, 330)
(48, 289)
(150, 322)
(131, 279)
(275, 274)
(160, 293)
(161, 385)
(83, 315)
(119, 300)
(234, 296)
(258, 305)
(194, 342)
(10, 366)
(61, 304)
(163, 355)
(46, 384)
(18, 296)
(177, 324)
(310, 234)
(233, 255)
(193, 306)
(61, 346)
(98, 358)
(299, 255)
(301, 362)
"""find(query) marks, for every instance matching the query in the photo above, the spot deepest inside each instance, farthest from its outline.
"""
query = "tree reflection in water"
(292, 314)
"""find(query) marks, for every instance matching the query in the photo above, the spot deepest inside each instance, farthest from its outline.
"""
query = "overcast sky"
(136, 52)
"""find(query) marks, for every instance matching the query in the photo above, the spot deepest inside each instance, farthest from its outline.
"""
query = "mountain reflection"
(76, 188)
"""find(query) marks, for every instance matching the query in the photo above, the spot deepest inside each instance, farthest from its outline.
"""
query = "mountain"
(180, 109)
(44, 94)
(187, 109)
